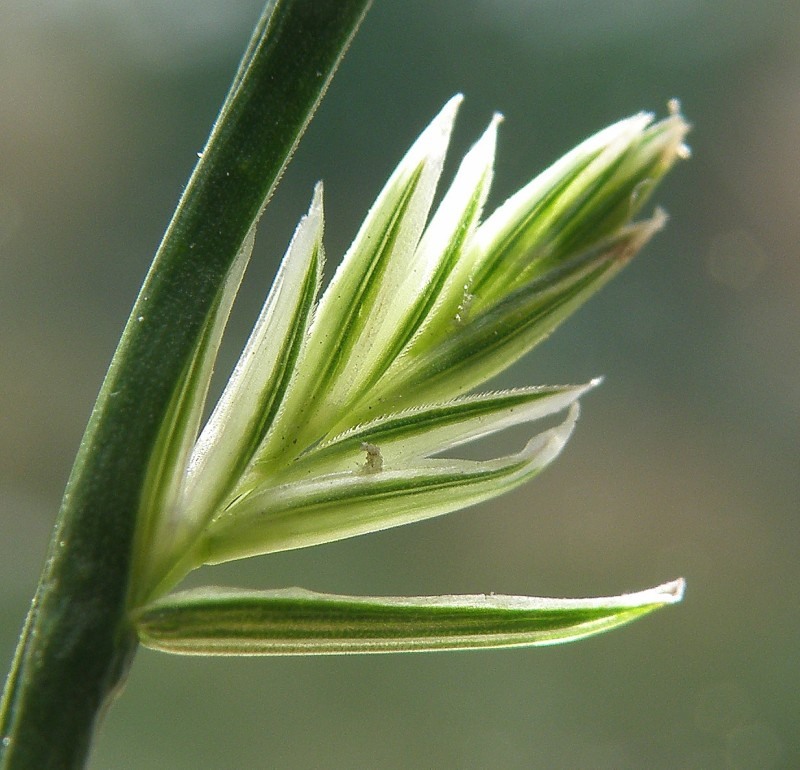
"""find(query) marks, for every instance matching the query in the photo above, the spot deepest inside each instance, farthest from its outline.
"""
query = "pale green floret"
(331, 422)
(293, 621)
(322, 508)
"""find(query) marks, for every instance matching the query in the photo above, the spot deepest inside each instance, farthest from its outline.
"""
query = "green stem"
(77, 643)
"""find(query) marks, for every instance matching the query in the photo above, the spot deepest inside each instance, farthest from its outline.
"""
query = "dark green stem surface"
(77, 643)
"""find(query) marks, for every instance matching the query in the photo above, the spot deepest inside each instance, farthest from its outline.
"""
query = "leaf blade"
(57, 689)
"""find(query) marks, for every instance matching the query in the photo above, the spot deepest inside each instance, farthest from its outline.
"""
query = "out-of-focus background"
(685, 462)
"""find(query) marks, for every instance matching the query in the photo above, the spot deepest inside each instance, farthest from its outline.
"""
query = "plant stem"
(77, 643)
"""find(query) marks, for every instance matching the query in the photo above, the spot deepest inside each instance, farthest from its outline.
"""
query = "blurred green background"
(685, 462)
